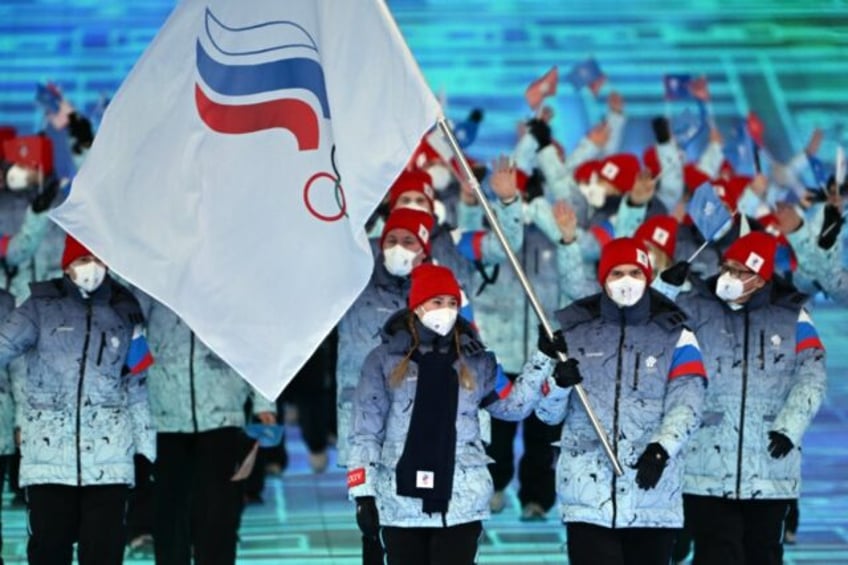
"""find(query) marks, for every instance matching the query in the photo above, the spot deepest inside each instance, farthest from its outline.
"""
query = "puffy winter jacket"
(644, 377)
(191, 388)
(767, 372)
(382, 417)
(359, 329)
(84, 416)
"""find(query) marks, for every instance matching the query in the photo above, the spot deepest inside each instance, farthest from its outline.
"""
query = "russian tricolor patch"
(806, 336)
(139, 357)
(687, 359)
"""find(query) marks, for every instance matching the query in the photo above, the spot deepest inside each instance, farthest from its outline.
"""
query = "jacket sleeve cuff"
(360, 481)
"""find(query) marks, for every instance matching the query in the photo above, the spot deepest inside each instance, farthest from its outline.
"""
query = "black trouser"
(14, 468)
(536, 468)
(793, 516)
(589, 544)
(736, 532)
(4, 460)
(309, 391)
(456, 545)
(140, 504)
(197, 506)
(93, 516)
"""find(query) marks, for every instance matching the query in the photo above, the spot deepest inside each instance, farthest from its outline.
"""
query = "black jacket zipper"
(191, 382)
(79, 389)
(636, 371)
(102, 345)
(745, 348)
(618, 374)
(762, 350)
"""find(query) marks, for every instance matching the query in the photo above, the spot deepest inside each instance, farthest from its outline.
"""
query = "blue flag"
(466, 132)
(688, 125)
(708, 212)
(737, 149)
(820, 172)
(586, 73)
(267, 435)
(48, 96)
(677, 87)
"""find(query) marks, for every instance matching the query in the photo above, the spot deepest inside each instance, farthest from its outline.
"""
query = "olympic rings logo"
(310, 199)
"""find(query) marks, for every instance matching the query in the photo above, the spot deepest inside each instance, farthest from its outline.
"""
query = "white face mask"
(626, 291)
(89, 276)
(595, 192)
(16, 178)
(440, 320)
(729, 288)
(399, 260)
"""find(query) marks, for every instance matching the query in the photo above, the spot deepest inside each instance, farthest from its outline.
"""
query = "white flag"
(236, 167)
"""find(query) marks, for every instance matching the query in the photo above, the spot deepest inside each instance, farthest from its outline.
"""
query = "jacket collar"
(396, 335)
(384, 279)
(101, 295)
(637, 314)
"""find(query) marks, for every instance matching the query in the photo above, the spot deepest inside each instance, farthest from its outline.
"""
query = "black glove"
(662, 131)
(831, 227)
(79, 128)
(541, 132)
(367, 517)
(45, 198)
(650, 465)
(566, 373)
(535, 186)
(476, 115)
(549, 347)
(779, 445)
(676, 274)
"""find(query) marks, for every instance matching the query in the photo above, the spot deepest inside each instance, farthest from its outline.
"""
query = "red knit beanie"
(756, 251)
(620, 171)
(659, 231)
(652, 161)
(430, 280)
(419, 223)
(73, 251)
(623, 251)
(583, 173)
(412, 181)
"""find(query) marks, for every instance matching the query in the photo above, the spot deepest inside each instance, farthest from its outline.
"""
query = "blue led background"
(784, 59)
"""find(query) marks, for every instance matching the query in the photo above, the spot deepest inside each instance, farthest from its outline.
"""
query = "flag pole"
(528, 289)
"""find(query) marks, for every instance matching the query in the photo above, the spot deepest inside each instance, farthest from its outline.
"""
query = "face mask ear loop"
(747, 292)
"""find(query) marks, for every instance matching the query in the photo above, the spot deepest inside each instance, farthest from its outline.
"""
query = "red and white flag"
(542, 87)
